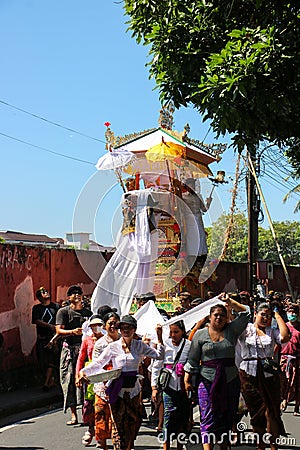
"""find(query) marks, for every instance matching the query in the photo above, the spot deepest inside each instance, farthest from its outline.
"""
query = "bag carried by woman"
(165, 374)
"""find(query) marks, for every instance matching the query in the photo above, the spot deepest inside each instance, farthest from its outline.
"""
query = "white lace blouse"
(251, 347)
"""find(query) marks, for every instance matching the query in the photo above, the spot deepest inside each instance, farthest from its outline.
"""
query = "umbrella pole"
(212, 191)
(169, 173)
(118, 175)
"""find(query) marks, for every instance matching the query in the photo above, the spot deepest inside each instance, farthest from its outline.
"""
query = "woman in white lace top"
(260, 387)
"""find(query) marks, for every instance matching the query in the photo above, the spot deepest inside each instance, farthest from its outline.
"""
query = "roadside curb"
(19, 401)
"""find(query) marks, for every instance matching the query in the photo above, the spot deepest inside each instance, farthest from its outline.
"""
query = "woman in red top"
(290, 362)
(85, 354)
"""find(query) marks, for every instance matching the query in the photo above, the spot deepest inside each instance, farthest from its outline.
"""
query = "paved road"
(47, 430)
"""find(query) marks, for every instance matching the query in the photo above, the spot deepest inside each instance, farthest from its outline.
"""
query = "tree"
(235, 61)
(295, 190)
(237, 248)
(288, 234)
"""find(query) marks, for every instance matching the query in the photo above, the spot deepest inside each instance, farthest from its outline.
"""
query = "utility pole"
(253, 202)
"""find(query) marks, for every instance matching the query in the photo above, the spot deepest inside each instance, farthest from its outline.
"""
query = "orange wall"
(23, 269)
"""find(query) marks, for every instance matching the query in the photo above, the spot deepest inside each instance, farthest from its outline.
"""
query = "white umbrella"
(117, 160)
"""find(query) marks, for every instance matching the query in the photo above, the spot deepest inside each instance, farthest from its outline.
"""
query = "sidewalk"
(26, 399)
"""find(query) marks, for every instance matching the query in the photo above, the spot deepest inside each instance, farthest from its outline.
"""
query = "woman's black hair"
(180, 324)
(111, 314)
(213, 308)
(263, 305)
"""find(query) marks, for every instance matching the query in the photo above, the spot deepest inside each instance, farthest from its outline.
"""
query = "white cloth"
(193, 315)
(148, 317)
(115, 354)
(171, 351)
(128, 271)
(195, 243)
(250, 345)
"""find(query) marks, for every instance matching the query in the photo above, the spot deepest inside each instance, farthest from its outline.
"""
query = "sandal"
(87, 438)
(99, 446)
(72, 422)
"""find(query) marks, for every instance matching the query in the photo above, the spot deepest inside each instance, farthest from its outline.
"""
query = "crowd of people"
(246, 351)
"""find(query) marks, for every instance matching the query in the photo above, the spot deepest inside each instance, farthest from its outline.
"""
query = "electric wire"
(268, 156)
(46, 149)
(287, 186)
(274, 186)
(51, 122)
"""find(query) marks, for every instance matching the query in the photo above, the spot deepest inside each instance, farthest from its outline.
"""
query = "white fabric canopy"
(148, 317)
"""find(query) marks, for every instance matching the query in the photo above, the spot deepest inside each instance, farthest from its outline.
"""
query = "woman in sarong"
(125, 392)
(104, 427)
(95, 323)
(290, 362)
(260, 388)
(175, 400)
(212, 355)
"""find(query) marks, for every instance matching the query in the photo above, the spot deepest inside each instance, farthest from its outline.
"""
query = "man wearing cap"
(185, 299)
(140, 300)
(69, 321)
(44, 317)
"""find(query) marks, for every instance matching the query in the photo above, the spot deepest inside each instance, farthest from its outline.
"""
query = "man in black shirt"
(44, 317)
(69, 321)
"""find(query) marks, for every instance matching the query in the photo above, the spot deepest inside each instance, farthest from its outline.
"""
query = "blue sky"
(72, 63)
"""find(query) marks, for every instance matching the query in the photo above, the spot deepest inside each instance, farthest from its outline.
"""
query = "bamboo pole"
(232, 208)
(252, 170)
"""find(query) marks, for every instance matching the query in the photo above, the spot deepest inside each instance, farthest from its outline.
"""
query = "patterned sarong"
(103, 420)
(214, 422)
(127, 418)
(262, 397)
(176, 413)
(290, 378)
(68, 358)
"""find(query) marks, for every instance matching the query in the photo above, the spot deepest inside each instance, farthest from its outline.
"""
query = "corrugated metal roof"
(17, 236)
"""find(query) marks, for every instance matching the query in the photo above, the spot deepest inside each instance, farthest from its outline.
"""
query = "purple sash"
(116, 385)
(178, 368)
(218, 392)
